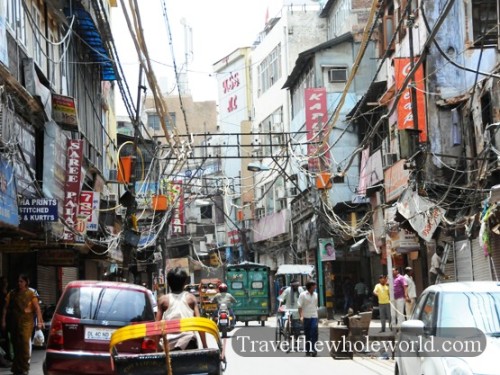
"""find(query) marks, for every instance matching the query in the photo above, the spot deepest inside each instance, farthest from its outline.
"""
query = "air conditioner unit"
(390, 159)
(113, 197)
(210, 238)
(280, 192)
(259, 205)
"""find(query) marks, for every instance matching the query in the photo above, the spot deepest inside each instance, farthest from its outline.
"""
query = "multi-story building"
(429, 164)
(57, 81)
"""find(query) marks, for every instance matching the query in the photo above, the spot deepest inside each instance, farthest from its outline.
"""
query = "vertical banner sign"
(89, 209)
(316, 118)
(402, 67)
(4, 54)
(74, 156)
(177, 195)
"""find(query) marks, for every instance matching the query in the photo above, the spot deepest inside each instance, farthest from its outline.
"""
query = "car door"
(412, 360)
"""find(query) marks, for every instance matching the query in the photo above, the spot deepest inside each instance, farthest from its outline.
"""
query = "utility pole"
(130, 228)
(418, 158)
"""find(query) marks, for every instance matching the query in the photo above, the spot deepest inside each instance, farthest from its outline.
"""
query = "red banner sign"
(74, 157)
(402, 67)
(316, 117)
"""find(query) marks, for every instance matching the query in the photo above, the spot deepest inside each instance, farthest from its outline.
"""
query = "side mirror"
(413, 328)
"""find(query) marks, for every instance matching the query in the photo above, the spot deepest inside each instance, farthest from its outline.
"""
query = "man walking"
(411, 292)
(400, 288)
(308, 312)
(381, 291)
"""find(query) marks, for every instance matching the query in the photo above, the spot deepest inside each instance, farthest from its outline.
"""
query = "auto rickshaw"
(209, 361)
(208, 290)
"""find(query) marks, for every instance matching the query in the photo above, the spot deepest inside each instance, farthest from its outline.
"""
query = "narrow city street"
(281, 363)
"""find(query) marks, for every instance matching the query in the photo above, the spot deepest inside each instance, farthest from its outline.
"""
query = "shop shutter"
(495, 256)
(46, 284)
(463, 261)
(68, 274)
(480, 264)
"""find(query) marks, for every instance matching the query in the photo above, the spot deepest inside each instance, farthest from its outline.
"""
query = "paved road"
(281, 363)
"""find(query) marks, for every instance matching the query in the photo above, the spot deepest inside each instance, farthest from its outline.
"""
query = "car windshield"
(111, 304)
(471, 309)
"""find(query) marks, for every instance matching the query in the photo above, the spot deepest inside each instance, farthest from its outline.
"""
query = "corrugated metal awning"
(87, 30)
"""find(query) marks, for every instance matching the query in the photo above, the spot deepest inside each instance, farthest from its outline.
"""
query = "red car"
(86, 315)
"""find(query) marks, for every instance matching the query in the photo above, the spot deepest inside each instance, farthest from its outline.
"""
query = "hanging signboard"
(327, 249)
(89, 208)
(64, 110)
(38, 210)
(74, 157)
(8, 196)
(316, 112)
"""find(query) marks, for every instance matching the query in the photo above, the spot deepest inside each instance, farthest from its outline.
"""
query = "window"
(485, 22)
(269, 71)
(236, 285)
(206, 212)
(36, 28)
(154, 122)
(257, 285)
(337, 75)
(388, 28)
(16, 20)
(428, 313)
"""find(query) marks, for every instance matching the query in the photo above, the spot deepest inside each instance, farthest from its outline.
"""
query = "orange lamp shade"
(159, 202)
(124, 169)
(324, 181)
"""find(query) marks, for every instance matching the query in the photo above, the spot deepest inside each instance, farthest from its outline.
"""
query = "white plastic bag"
(38, 339)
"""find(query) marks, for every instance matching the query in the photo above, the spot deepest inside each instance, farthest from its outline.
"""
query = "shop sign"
(396, 180)
(74, 156)
(8, 195)
(64, 110)
(89, 209)
(57, 257)
(176, 194)
(316, 112)
(38, 209)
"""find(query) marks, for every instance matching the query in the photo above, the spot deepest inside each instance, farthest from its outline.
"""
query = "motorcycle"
(225, 320)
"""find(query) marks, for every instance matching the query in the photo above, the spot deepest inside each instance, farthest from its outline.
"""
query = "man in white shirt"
(308, 312)
(411, 292)
(435, 269)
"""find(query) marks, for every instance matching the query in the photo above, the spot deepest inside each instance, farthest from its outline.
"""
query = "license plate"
(223, 321)
(98, 334)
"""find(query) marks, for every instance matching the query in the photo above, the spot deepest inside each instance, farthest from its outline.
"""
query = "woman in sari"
(20, 306)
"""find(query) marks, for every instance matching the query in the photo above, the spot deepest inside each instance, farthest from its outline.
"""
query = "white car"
(454, 330)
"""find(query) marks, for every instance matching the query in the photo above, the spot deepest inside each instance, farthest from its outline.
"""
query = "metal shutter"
(495, 255)
(480, 264)
(46, 284)
(68, 274)
(463, 260)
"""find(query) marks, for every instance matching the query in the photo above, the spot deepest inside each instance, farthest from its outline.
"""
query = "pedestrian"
(21, 305)
(411, 292)
(308, 312)
(360, 292)
(179, 304)
(435, 269)
(5, 346)
(381, 291)
(400, 289)
(348, 289)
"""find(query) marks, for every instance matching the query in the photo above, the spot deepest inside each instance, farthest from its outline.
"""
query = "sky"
(218, 28)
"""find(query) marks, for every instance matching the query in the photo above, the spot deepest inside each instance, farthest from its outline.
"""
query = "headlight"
(456, 366)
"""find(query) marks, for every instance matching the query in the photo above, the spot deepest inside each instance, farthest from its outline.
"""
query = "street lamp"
(257, 167)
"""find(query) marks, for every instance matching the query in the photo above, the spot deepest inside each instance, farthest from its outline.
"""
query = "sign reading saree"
(402, 67)
(74, 156)
(316, 118)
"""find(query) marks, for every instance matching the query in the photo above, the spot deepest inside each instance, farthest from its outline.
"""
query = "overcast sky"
(218, 28)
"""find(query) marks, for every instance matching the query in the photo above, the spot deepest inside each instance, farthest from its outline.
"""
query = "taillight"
(223, 315)
(149, 345)
(56, 339)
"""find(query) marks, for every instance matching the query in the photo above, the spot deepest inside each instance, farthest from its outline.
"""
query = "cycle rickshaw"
(288, 326)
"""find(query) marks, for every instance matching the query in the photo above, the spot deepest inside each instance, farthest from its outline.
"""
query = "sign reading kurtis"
(74, 158)
(402, 67)
(316, 117)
